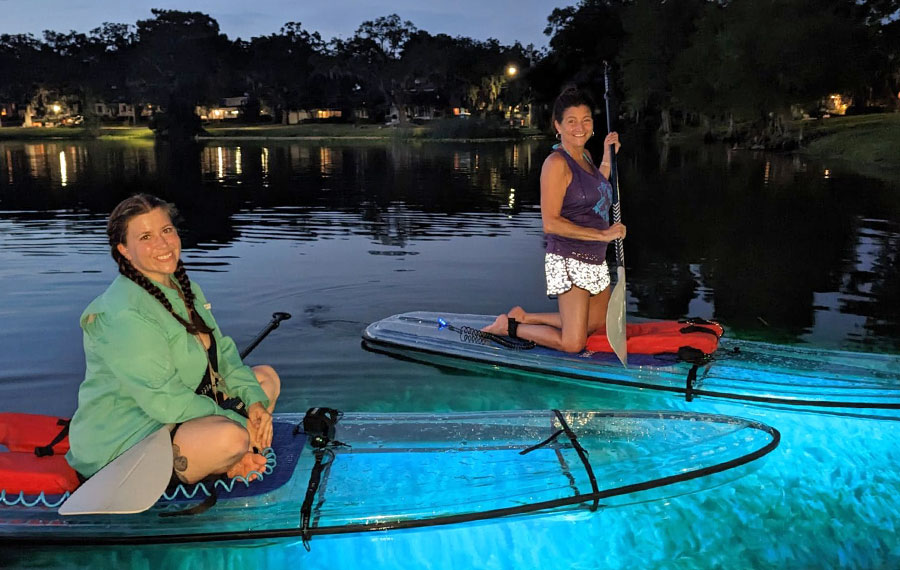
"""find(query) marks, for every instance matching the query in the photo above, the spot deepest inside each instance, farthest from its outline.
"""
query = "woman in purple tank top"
(575, 201)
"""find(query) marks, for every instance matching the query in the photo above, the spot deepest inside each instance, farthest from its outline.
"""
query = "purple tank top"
(587, 202)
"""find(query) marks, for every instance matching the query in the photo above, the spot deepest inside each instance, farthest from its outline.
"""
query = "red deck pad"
(24, 432)
(25, 472)
(661, 337)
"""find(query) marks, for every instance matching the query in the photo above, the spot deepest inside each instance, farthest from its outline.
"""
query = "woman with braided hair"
(156, 357)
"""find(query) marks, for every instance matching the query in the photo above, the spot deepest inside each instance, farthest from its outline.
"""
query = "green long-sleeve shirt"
(142, 370)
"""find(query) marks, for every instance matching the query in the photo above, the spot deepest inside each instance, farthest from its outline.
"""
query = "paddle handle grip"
(273, 324)
(620, 247)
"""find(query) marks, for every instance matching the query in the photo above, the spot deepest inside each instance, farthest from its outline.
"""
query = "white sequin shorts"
(563, 272)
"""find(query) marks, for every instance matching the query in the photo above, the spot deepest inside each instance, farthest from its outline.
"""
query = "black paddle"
(615, 311)
(273, 324)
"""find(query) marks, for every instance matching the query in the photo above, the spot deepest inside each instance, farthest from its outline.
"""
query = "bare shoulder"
(555, 175)
(555, 164)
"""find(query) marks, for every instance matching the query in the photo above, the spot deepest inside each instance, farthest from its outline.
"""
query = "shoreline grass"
(867, 144)
(73, 133)
(456, 130)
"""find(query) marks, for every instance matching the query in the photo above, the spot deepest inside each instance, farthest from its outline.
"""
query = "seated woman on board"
(156, 357)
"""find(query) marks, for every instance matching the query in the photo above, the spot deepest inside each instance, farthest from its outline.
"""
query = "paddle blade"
(615, 318)
(130, 483)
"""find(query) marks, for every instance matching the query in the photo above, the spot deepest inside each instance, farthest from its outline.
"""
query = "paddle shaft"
(613, 169)
(615, 311)
(273, 324)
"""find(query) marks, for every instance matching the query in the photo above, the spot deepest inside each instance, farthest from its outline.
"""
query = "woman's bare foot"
(248, 463)
(517, 313)
(499, 327)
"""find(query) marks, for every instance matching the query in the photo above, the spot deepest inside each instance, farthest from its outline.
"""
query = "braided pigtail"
(184, 281)
(129, 271)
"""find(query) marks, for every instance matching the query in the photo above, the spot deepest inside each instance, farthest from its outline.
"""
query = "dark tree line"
(756, 61)
(707, 62)
(726, 61)
(178, 60)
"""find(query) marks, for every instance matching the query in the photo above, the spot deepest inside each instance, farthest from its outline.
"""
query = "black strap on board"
(689, 383)
(582, 454)
(547, 441)
(46, 450)
(315, 478)
(319, 427)
(475, 336)
(698, 329)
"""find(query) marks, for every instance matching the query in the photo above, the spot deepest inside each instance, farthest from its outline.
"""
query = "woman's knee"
(229, 442)
(573, 345)
(208, 445)
(235, 440)
(268, 380)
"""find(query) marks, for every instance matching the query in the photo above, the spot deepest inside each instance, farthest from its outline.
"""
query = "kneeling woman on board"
(156, 357)
(575, 200)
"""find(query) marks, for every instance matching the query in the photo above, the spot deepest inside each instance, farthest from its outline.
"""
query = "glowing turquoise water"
(339, 249)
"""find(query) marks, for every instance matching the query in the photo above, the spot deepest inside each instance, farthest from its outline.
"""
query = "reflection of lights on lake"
(264, 158)
(512, 197)
(462, 161)
(220, 164)
(63, 174)
(325, 160)
(766, 173)
(237, 161)
(827, 174)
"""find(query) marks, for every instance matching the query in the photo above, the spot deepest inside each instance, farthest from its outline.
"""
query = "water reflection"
(767, 243)
(764, 242)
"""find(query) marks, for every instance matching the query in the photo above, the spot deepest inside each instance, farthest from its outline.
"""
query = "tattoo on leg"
(180, 461)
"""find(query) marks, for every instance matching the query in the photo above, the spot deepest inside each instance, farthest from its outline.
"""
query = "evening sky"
(505, 20)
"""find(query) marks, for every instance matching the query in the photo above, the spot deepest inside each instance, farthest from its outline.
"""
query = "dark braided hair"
(117, 231)
(571, 96)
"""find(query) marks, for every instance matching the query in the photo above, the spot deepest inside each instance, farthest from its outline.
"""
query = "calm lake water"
(340, 235)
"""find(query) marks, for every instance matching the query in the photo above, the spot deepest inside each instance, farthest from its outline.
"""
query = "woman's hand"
(615, 231)
(259, 424)
(611, 139)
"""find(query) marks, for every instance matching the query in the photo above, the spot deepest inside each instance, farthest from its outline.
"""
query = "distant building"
(11, 115)
(295, 116)
(837, 104)
(117, 110)
(228, 108)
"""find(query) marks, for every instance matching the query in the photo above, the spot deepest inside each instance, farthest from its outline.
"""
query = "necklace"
(584, 155)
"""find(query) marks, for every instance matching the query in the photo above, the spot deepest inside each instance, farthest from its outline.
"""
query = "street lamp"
(512, 70)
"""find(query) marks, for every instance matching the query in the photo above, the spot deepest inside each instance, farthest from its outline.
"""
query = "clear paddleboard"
(392, 471)
(746, 371)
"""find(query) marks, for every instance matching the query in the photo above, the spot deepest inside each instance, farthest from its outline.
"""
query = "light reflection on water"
(340, 236)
